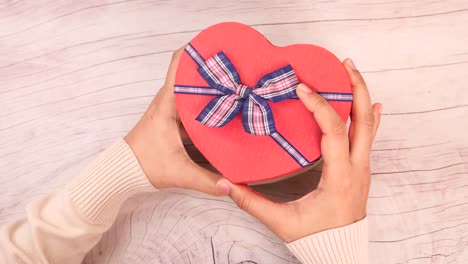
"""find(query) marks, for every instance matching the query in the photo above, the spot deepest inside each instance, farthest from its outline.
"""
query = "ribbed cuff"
(344, 245)
(101, 189)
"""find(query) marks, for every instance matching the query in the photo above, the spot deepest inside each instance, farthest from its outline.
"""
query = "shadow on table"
(288, 189)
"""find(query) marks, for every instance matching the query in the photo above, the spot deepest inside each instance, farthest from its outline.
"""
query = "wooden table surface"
(76, 75)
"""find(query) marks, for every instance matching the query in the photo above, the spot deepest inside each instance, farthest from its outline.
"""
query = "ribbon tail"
(257, 117)
(220, 73)
(290, 149)
(337, 97)
(278, 85)
(220, 111)
(197, 90)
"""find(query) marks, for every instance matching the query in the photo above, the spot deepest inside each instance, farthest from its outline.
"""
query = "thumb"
(170, 77)
(265, 210)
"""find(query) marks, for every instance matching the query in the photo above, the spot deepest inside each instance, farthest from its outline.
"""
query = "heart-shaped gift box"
(236, 97)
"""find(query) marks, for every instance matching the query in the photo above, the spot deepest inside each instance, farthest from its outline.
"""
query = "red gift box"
(235, 94)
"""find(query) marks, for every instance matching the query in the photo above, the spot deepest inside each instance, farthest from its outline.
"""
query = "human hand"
(156, 141)
(341, 196)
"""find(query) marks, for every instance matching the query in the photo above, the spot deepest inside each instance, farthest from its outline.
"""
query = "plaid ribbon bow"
(232, 97)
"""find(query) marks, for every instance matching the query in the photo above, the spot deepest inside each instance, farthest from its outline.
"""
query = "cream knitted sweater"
(64, 225)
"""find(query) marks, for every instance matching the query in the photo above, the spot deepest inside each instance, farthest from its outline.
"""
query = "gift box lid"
(236, 97)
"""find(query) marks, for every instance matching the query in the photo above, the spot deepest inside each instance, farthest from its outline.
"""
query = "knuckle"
(360, 82)
(244, 204)
(365, 168)
(369, 119)
(365, 184)
(340, 129)
(320, 102)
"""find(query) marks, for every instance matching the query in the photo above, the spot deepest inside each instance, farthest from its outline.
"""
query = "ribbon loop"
(278, 85)
(257, 117)
(218, 70)
(220, 110)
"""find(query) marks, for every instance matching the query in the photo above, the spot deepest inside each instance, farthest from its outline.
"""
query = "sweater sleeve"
(343, 245)
(64, 225)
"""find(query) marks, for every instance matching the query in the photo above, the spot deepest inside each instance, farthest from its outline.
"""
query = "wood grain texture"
(76, 75)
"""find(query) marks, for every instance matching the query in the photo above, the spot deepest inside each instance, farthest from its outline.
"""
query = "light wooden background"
(76, 75)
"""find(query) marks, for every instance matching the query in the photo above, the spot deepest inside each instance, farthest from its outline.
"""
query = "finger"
(334, 140)
(377, 110)
(198, 178)
(171, 72)
(362, 116)
(165, 99)
(265, 210)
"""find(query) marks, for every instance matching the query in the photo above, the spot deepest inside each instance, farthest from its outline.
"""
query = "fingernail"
(224, 187)
(351, 64)
(304, 88)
